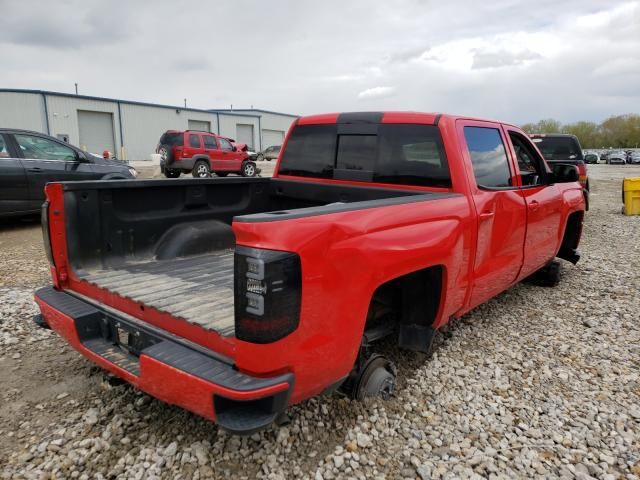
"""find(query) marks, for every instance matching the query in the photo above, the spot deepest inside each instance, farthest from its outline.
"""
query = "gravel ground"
(537, 383)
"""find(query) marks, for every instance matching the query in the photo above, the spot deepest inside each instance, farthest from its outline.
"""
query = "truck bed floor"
(198, 289)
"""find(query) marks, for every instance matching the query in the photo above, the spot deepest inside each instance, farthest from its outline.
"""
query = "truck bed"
(169, 245)
(198, 289)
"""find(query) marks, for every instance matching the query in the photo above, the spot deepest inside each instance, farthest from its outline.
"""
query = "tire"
(222, 174)
(201, 169)
(166, 154)
(171, 173)
(549, 276)
(259, 158)
(248, 169)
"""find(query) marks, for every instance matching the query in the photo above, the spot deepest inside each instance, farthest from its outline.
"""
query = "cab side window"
(44, 149)
(530, 166)
(488, 157)
(225, 144)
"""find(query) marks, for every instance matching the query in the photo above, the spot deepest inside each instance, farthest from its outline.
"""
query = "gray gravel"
(538, 383)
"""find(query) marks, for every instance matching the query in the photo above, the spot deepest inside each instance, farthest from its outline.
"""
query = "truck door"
(14, 191)
(500, 209)
(544, 204)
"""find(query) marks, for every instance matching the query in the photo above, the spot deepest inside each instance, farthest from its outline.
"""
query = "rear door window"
(194, 140)
(488, 157)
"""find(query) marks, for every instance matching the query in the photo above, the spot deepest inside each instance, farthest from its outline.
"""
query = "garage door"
(201, 125)
(244, 134)
(272, 138)
(96, 131)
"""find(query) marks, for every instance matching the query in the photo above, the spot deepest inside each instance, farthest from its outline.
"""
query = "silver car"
(634, 158)
(618, 157)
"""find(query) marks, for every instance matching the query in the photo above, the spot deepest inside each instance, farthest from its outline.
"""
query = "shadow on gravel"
(17, 223)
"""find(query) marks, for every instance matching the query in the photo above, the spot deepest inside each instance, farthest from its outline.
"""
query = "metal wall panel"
(143, 126)
(229, 126)
(272, 138)
(22, 110)
(63, 118)
(204, 126)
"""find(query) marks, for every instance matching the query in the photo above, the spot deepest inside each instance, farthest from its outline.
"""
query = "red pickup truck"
(234, 298)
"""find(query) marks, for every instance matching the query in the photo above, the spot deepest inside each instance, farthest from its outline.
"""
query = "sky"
(511, 60)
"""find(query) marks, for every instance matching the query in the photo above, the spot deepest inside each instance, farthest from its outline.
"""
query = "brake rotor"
(378, 379)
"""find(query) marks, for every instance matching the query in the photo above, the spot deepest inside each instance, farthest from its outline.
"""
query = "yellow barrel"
(631, 195)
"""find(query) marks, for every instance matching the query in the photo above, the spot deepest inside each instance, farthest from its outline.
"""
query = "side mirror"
(234, 148)
(81, 157)
(565, 173)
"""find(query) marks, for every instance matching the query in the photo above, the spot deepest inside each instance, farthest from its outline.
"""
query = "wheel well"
(571, 238)
(408, 304)
(573, 230)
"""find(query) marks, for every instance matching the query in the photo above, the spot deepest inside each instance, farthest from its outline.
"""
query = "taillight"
(267, 294)
(44, 222)
(582, 174)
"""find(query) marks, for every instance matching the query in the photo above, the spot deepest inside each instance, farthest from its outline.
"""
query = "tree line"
(621, 131)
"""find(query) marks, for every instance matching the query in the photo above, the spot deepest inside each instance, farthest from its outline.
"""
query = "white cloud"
(507, 59)
(376, 92)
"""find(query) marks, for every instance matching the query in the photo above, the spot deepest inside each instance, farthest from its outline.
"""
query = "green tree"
(588, 133)
(618, 131)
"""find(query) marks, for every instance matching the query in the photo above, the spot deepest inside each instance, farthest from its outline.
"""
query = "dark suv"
(201, 153)
(269, 153)
(29, 160)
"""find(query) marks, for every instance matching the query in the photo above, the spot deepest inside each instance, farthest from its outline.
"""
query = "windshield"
(559, 148)
(403, 154)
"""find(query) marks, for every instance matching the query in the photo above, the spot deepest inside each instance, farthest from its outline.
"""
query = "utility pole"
(185, 103)
(76, 88)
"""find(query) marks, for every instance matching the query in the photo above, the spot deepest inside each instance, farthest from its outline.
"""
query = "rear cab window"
(558, 147)
(400, 154)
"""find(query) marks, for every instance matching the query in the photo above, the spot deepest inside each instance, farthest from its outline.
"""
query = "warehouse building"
(131, 129)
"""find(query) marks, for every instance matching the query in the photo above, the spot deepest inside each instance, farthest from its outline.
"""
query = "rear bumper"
(185, 164)
(165, 366)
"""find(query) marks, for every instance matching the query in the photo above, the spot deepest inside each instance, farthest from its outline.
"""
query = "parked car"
(617, 157)
(270, 153)
(591, 158)
(562, 148)
(29, 160)
(634, 158)
(201, 154)
(259, 293)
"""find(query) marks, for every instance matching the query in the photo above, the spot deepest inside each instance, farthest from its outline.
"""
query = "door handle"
(534, 204)
(34, 169)
(486, 215)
